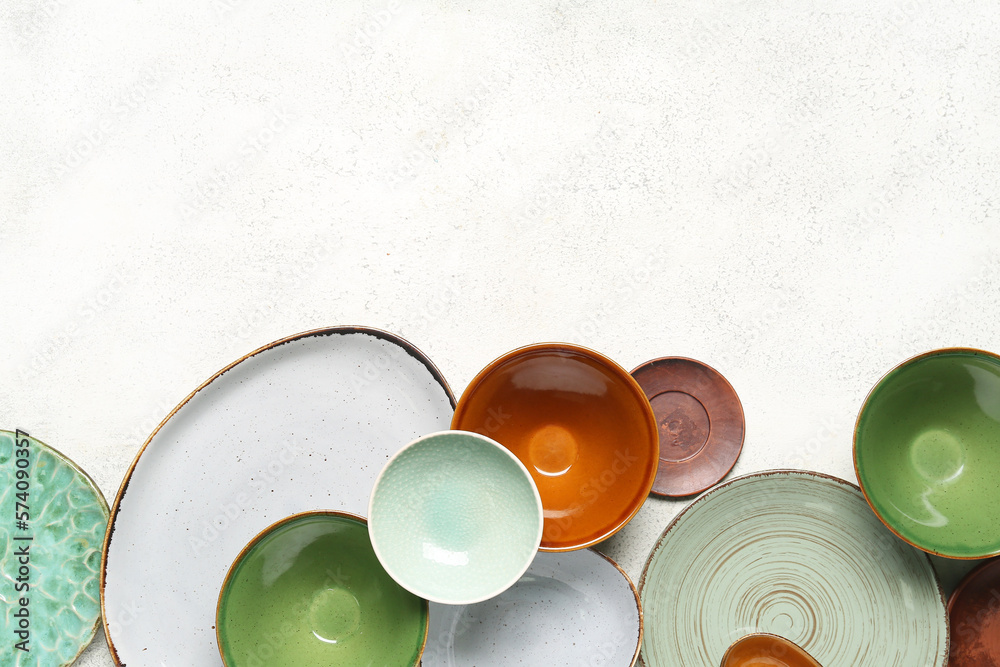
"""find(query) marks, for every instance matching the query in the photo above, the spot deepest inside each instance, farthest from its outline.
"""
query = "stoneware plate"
(455, 517)
(795, 554)
(304, 423)
(700, 418)
(51, 561)
(572, 608)
(974, 610)
(309, 591)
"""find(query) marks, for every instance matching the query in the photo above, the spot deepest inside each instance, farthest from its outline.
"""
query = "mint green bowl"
(309, 591)
(455, 517)
(927, 452)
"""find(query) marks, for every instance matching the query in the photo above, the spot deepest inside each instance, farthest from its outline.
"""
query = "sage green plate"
(65, 518)
(927, 452)
(310, 591)
(794, 554)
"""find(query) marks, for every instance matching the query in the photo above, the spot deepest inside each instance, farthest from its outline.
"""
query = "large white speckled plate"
(795, 554)
(304, 423)
(568, 609)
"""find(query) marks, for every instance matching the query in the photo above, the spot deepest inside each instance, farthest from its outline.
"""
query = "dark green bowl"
(927, 452)
(310, 591)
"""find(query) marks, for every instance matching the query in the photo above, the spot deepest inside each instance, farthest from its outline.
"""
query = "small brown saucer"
(974, 615)
(700, 422)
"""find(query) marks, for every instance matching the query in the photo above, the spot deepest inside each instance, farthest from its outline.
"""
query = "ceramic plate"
(795, 554)
(700, 418)
(51, 561)
(974, 609)
(304, 423)
(571, 608)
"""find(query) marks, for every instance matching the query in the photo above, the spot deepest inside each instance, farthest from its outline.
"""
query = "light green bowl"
(927, 452)
(309, 591)
(455, 518)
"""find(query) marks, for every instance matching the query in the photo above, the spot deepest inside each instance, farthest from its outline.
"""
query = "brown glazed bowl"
(582, 427)
(974, 615)
(701, 424)
(766, 650)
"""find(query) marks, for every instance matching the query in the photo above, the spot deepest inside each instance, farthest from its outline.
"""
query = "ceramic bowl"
(580, 424)
(455, 518)
(927, 451)
(766, 650)
(309, 591)
(974, 613)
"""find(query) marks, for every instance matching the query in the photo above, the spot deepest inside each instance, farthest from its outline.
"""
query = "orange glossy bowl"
(583, 428)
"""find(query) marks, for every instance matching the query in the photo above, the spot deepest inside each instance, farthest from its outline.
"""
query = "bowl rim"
(486, 440)
(943, 351)
(768, 635)
(615, 368)
(738, 403)
(267, 531)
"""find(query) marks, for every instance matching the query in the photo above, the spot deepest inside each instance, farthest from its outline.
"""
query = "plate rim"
(409, 347)
(802, 474)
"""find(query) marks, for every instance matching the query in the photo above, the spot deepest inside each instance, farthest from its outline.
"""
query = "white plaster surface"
(801, 194)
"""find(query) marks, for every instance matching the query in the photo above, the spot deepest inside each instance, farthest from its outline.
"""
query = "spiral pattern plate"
(795, 554)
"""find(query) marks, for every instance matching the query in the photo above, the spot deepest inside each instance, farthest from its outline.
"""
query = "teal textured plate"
(795, 554)
(65, 516)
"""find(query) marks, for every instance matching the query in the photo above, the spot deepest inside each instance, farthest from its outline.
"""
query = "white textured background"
(801, 194)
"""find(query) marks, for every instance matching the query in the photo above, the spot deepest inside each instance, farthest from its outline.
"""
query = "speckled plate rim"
(709, 444)
(270, 529)
(107, 513)
(857, 424)
(617, 368)
(503, 450)
(768, 635)
(410, 349)
(635, 595)
(829, 479)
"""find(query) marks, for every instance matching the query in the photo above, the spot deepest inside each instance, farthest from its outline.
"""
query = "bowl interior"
(582, 427)
(927, 451)
(310, 590)
(455, 518)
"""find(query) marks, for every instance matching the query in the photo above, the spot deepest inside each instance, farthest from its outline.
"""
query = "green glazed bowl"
(927, 452)
(455, 517)
(310, 591)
